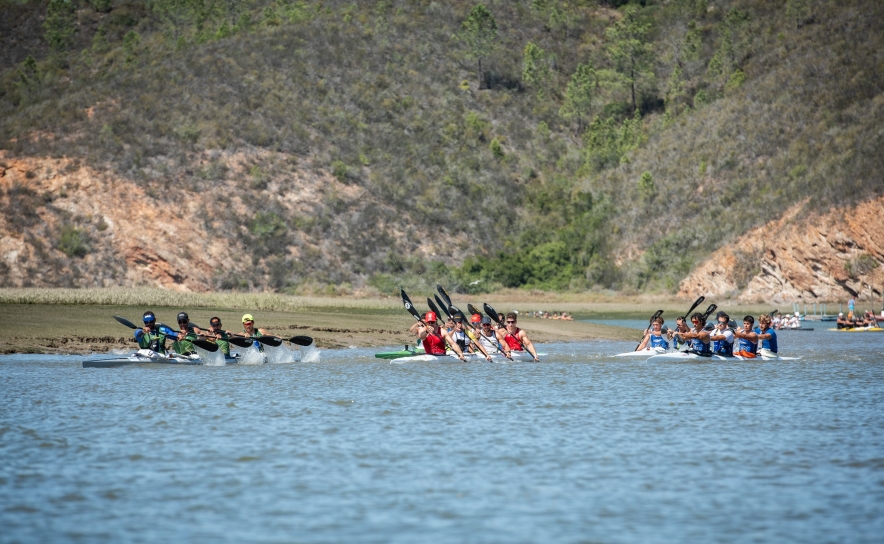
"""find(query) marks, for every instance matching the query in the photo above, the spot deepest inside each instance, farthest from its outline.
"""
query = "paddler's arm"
(750, 336)
(528, 345)
(475, 342)
(453, 345)
(644, 342)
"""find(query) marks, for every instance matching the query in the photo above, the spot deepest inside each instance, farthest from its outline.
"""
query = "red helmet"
(476, 318)
(430, 317)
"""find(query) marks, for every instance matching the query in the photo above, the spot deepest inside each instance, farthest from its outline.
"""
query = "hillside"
(305, 146)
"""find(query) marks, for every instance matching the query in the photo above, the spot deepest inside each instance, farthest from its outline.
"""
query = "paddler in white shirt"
(722, 336)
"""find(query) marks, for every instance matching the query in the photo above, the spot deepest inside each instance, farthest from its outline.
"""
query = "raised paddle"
(445, 296)
(457, 311)
(165, 329)
(441, 305)
(473, 310)
(657, 314)
(435, 310)
(240, 341)
(409, 306)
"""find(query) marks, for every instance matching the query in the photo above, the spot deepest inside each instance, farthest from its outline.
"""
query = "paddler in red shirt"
(515, 338)
(434, 338)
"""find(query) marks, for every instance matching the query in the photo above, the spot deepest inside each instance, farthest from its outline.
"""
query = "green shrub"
(73, 242)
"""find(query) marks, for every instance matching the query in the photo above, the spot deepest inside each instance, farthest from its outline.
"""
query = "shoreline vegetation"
(79, 321)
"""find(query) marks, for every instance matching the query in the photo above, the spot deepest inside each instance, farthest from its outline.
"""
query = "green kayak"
(408, 351)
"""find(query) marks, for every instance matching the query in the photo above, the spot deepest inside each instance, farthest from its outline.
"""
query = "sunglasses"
(216, 324)
(149, 321)
(510, 322)
(182, 322)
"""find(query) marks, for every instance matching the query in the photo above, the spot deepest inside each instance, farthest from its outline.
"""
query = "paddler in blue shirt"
(698, 336)
(747, 345)
(681, 327)
(764, 336)
(654, 338)
(150, 336)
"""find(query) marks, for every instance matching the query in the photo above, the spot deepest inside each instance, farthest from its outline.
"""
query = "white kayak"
(647, 352)
(682, 356)
(451, 357)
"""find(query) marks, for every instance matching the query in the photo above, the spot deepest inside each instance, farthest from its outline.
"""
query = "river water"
(580, 448)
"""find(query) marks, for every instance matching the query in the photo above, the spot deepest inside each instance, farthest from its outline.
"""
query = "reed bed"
(154, 297)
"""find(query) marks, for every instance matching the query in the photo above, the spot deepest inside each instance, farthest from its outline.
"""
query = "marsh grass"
(144, 297)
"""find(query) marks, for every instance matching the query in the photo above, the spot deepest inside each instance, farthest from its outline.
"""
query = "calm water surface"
(580, 448)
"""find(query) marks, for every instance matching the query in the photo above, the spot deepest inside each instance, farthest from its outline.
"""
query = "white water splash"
(309, 354)
(251, 356)
(211, 359)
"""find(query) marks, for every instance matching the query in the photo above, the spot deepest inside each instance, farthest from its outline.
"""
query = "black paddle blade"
(473, 310)
(271, 341)
(442, 305)
(126, 322)
(445, 296)
(455, 312)
(241, 342)
(773, 313)
(491, 313)
(211, 347)
(433, 307)
(301, 340)
(709, 310)
(408, 305)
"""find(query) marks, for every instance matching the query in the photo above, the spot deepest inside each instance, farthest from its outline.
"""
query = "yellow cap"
(247, 317)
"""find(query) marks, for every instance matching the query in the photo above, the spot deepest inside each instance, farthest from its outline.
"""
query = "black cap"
(486, 320)
(457, 318)
(183, 317)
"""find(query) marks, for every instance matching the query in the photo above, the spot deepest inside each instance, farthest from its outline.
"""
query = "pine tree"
(479, 33)
(579, 95)
(629, 51)
(59, 24)
(534, 68)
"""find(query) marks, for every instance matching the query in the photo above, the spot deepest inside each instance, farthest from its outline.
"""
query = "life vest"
(255, 333)
(155, 341)
(747, 346)
(434, 345)
(185, 346)
(222, 342)
(769, 343)
(700, 347)
(657, 341)
(723, 347)
(513, 341)
(460, 338)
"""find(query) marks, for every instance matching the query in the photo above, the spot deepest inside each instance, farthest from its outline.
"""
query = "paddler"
(150, 336)
(722, 336)
(463, 340)
(218, 335)
(654, 338)
(248, 327)
(515, 338)
(434, 338)
(681, 326)
(698, 336)
(748, 340)
(767, 337)
(187, 334)
(488, 339)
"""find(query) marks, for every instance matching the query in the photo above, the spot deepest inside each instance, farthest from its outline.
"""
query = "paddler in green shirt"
(219, 336)
(188, 333)
(248, 327)
(150, 336)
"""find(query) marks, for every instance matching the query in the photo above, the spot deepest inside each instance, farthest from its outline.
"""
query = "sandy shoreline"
(81, 329)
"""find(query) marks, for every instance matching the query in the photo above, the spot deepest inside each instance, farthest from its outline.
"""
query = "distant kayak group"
(851, 321)
(214, 342)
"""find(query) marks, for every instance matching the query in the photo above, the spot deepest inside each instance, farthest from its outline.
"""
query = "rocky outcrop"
(806, 257)
(64, 224)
